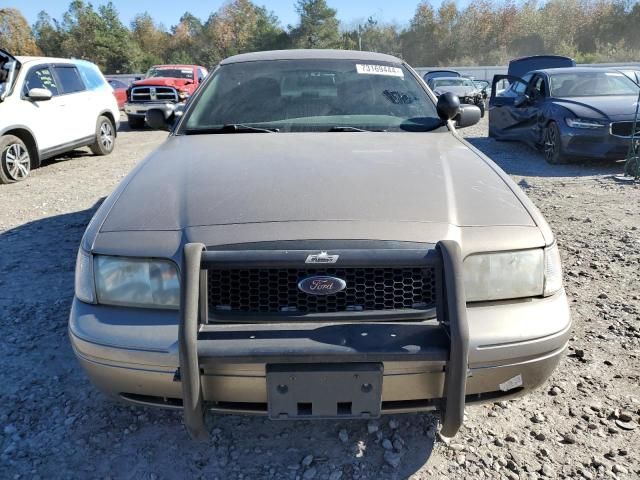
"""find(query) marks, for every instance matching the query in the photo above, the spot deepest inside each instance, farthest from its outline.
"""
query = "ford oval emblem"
(321, 285)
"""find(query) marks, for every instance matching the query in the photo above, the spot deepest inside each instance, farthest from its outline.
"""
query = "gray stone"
(626, 425)
(393, 424)
(386, 444)
(9, 429)
(335, 475)
(619, 469)
(309, 474)
(548, 471)
(343, 436)
(555, 391)
(306, 461)
(373, 426)
(392, 458)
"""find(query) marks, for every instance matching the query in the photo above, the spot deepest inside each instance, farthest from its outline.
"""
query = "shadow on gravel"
(519, 159)
(56, 425)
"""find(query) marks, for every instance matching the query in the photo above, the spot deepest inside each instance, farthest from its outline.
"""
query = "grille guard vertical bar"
(187, 342)
(456, 316)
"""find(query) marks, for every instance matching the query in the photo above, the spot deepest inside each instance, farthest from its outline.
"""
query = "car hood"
(619, 107)
(163, 81)
(460, 91)
(204, 180)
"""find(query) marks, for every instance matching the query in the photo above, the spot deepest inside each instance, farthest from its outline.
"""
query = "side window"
(537, 88)
(202, 73)
(520, 87)
(41, 78)
(90, 75)
(69, 79)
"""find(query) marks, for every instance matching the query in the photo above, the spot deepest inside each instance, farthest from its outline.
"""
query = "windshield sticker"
(368, 69)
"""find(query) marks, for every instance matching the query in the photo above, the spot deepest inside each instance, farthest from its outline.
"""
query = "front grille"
(154, 94)
(624, 129)
(268, 291)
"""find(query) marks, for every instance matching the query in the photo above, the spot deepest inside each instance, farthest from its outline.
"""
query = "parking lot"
(585, 422)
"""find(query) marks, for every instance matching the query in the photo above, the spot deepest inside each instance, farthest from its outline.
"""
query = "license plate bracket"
(324, 391)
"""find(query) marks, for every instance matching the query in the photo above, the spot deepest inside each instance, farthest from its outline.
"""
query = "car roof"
(451, 78)
(26, 59)
(311, 54)
(175, 65)
(577, 70)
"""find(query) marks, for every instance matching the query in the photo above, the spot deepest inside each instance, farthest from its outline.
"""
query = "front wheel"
(552, 145)
(15, 161)
(105, 137)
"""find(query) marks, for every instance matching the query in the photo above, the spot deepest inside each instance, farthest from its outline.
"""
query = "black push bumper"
(351, 344)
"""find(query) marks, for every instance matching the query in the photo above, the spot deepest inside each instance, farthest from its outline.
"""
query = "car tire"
(135, 123)
(552, 145)
(105, 137)
(15, 160)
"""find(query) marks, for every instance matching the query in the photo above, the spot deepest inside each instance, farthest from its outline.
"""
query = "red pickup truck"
(164, 87)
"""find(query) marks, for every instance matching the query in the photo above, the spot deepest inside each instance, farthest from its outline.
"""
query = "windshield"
(313, 95)
(452, 82)
(591, 84)
(170, 72)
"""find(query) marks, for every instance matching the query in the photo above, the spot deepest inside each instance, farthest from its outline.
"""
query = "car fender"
(36, 149)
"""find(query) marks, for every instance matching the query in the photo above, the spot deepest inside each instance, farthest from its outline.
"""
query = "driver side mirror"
(521, 100)
(39, 94)
(448, 106)
(159, 120)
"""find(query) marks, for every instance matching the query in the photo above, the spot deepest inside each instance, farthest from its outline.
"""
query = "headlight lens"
(584, 123)
(502, 275)
(183, 95)
(85, 289)
(136, 282)
(552, 270)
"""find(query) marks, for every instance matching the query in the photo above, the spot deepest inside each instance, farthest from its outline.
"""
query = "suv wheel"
(15, 161)
(552, 145)
(105, 137)
(135, 122)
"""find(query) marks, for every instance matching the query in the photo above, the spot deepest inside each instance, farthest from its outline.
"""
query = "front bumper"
(593, 143)
(140, 109)
(134, 354)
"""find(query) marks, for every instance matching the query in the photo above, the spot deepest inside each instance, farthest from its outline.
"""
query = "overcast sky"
(169, 12)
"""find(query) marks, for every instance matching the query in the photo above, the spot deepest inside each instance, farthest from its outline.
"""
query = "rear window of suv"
(91, 75)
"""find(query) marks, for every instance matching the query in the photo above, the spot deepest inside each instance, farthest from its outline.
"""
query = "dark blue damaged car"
(579, 112)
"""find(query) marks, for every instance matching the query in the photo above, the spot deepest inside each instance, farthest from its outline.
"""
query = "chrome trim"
(154, 94)
(624, 136)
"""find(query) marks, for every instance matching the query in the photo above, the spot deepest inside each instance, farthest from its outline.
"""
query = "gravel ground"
(583, 423)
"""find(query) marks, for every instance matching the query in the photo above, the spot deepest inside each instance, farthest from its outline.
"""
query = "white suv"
(49, 106)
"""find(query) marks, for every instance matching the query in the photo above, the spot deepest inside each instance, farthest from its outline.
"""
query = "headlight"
(584, 123)
(85, 289)
(183, 95)
(135, 282)
(504, 275)
(498, 276)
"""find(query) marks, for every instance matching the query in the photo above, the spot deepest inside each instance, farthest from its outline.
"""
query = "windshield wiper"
(230, 128)
(343, 128)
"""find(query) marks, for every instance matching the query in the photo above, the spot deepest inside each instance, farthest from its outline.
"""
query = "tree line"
(483, 33)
